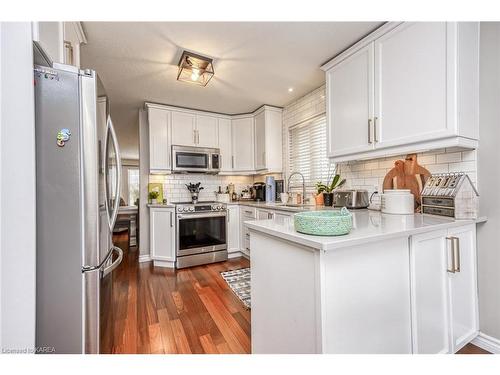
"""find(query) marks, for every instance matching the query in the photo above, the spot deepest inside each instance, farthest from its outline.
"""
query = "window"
(133, 185)
(307, 151)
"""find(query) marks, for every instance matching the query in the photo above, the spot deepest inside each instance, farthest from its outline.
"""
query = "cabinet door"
(260, 141)
(233, 221)
(463, 285)
(225, 145)
(273, 153)
(350, 104)
(183, 129)
(207, 131)
(281, 217)
(429, 293)
(159, 140)
(50, 36)
(162, 234)
(243, 144)
(414, 66)
(263, 214)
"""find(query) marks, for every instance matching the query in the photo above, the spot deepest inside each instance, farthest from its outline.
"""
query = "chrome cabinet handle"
(232, 162)
(171, 221)
(456, 253)
(375, 129)
(370, 131)
(452, 269)
(194, 136)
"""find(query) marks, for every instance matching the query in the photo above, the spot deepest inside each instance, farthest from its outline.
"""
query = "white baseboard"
(163, 263)
(144, 258)
(487, 343)
(235, 254)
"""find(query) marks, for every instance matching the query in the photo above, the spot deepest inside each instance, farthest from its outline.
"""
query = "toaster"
(351, 198)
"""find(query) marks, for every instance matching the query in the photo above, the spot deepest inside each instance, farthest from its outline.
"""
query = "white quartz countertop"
(161, 205)
(368, 226)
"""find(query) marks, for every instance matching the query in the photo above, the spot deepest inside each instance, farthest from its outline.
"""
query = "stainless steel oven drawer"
(201, 250)
(198, 259)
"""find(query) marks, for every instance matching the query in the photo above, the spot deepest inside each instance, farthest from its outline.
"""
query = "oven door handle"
(201, 215)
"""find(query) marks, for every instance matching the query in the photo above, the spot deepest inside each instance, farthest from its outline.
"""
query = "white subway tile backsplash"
(449, 157)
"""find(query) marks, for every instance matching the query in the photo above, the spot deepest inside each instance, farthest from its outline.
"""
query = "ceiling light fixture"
(290, 89)
(195, 68)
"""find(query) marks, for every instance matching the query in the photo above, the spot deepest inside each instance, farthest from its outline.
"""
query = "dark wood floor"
(160, 310)
(472, 349)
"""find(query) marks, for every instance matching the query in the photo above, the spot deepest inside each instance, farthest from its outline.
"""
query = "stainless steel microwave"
(189, 159)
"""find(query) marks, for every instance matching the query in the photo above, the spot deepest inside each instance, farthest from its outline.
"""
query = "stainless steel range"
(201, 233)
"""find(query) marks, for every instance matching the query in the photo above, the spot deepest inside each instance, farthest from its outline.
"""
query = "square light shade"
(194, 68)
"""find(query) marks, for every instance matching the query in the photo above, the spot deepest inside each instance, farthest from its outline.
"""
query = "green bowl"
(323, 223)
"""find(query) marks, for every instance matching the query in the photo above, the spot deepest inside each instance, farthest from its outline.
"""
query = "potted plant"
(318, 196)
(328, 189)
(153, 196)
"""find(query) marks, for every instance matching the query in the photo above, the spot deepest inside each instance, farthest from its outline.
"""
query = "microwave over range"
(188, 159)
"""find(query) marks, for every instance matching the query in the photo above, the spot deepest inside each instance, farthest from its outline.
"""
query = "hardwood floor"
(472, 349)
(160, 310)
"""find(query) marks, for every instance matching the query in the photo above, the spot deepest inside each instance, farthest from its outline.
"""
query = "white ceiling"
(255, 63)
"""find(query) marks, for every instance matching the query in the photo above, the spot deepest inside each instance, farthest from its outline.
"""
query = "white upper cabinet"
(183, 129)
(260, 141)
(268, 140)
(159, 140)
(207, 131)
(243, 144)
(412, 63)
(60, 41)
(349, 85)
(225, 144)
(248, 144)
(415, 84)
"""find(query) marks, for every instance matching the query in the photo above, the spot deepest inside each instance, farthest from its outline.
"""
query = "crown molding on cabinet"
(217, 114)
(360, 44)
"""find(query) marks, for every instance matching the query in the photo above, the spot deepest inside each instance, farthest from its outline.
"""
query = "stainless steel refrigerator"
(78, 171)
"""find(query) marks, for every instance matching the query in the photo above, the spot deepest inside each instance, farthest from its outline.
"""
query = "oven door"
(199, 233)
(190, 160)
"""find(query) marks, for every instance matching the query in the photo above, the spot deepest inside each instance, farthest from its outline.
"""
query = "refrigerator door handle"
(114, 215)
(111, 267)
(107, 270)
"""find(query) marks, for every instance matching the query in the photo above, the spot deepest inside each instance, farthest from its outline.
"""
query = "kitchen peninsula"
(395, 284)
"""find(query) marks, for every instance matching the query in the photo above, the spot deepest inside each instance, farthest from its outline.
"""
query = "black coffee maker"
(259, 191)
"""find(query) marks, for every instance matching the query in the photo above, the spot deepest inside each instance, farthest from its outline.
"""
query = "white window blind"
(307, 151)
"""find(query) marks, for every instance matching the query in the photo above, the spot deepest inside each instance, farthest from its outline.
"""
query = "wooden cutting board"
(407, 174)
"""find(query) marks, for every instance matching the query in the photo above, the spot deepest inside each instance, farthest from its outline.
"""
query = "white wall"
(143, 184)
(489, 180)
(17, 188)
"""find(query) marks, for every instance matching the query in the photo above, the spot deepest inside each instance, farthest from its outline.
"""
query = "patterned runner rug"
(239, 282)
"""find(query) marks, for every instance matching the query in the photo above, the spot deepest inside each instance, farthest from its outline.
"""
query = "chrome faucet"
(303, 185)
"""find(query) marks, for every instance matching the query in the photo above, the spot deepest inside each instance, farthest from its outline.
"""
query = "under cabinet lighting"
(195, 68)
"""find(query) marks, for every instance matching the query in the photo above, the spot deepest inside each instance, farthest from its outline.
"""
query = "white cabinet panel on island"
(162, 236)
(444, 290)
(395, 284)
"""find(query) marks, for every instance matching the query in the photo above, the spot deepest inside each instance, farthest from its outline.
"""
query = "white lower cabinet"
(246, 214)
(444, 289)
(233, 230)
(162, 236)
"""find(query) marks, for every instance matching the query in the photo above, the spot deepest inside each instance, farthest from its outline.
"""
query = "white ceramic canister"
(397, 201)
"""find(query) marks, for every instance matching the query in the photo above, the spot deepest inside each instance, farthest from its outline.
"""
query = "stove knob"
(179, 209)
(191, 209)
(220, 208)
(186, 209)
(214, 207)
